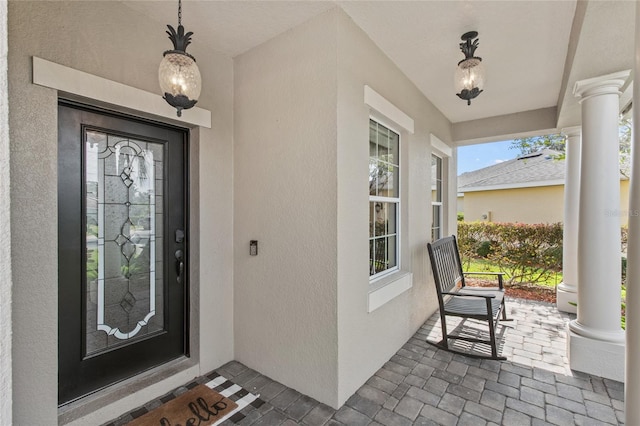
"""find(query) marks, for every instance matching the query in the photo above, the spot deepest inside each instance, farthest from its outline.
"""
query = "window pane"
(394, 147)
(391, 252)
(373, 139)
(384, 178)
(436, 223)
(383, 147)
(394, 178)
(374, 171)
(379, 258)
(436, 178)
(385, 218)
(372, 218)
(372, 266)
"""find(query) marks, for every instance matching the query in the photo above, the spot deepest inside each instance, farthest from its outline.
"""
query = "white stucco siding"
(285, 182)
(112, 41)
(368, 340)
(5, 230)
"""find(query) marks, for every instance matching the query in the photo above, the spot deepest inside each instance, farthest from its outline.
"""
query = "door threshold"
(107, 403)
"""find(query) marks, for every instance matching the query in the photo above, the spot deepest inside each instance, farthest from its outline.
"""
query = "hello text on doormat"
(201, 406)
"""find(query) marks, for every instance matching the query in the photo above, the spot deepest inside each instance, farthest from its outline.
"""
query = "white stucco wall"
(300, 183)
(5, 231)
(368, 340)
(112, 41)
(285, 197)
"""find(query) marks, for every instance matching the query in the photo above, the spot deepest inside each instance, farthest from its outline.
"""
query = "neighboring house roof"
(542, 168)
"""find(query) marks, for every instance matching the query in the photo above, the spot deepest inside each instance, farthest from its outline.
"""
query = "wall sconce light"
(178, 74)
(469, 78)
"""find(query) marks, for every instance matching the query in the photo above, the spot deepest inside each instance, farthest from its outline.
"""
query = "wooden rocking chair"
(479, 303)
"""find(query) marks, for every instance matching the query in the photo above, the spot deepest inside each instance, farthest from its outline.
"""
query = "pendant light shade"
(469, 75)
(178, 74)
(180, 80)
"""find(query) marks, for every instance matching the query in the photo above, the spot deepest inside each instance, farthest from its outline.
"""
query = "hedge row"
(528, 253)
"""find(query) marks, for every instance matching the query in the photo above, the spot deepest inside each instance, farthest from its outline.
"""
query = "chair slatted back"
(445, 263)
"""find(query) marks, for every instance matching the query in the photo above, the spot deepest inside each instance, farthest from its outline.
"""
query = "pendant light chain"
(179, 12)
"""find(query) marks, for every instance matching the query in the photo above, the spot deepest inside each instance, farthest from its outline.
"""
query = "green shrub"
(484, 249)
(460, 216)
(528, 253)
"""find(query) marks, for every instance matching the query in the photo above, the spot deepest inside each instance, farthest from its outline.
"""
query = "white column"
(596, 340)
(632, 369)
(567, 293)
(6, 385)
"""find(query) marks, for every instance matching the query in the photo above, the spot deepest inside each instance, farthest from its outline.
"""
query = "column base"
(566, 299)
(597, 357)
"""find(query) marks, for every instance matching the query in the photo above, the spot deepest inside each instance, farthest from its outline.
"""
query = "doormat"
(199, 406)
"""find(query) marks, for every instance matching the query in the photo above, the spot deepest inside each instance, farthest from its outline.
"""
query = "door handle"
(179, 264)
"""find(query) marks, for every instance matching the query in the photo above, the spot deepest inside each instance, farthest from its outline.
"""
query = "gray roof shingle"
(540, 166)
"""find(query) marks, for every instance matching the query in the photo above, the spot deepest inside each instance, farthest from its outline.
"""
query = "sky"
(476, 157)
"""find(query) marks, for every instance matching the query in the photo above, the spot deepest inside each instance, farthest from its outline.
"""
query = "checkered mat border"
(235, 393)
(219, 384)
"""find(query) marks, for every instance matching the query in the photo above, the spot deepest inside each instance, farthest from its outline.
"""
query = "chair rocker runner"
(479, 303)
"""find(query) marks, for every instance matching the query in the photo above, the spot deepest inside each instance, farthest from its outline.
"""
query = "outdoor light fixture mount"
(178, 74)
(469, 77)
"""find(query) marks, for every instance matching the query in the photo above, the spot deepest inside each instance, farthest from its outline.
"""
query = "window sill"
(388, 288)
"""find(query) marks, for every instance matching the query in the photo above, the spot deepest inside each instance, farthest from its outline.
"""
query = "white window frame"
(444, 152)
(395, 200)
(387, 288)
(437, 204)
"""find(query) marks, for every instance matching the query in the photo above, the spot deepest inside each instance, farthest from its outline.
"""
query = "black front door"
(122, 248)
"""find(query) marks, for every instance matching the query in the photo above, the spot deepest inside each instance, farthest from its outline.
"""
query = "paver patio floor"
(423, 385)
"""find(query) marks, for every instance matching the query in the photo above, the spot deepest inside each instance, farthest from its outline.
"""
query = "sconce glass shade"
(469, 79)
(180, 80)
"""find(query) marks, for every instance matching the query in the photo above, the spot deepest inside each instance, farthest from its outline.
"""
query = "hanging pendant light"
(469, 77)
(178, 74)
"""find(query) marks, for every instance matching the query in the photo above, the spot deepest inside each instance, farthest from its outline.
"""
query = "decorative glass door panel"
(123, 190)
(122, 248)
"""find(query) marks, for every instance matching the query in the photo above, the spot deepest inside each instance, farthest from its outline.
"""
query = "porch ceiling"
(533, 50)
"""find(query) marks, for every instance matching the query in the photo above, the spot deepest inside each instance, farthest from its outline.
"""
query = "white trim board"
(75, 82)
(386, 108)
(398, 284)
(440, 146)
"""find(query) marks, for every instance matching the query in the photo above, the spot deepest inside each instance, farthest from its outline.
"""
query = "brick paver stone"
(483, 411)
(515, 418)
(559, 416)
(349, 416)
(389, 418)
(600, 412)
(532, 396)
(318, 415)
(467, 419)
(423, 396)
(493, 399)
(409, 407)
(451, 403)
(439, 416)
(363, 405)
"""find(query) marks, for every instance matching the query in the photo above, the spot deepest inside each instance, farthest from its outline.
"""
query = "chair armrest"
(484, 296)
(485, 273)
(497, 274)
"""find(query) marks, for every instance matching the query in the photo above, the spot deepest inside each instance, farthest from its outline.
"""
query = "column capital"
(604, 85)
(571, 131)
